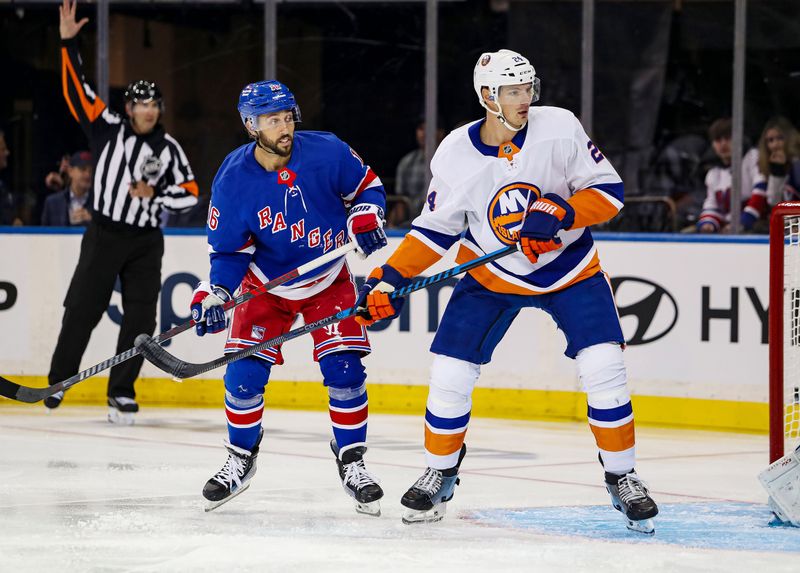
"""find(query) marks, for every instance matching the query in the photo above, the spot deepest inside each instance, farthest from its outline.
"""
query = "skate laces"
(631, 488)
(430, 482)
(232, 471)
(356, 474)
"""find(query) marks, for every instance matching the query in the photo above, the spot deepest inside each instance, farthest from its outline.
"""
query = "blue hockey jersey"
(267, 223)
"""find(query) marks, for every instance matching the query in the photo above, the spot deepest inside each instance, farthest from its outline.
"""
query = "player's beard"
(272, 146)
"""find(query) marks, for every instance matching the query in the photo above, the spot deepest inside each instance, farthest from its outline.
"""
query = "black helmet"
(143, 91)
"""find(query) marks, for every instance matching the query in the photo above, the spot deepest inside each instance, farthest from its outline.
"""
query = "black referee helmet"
(143, 91)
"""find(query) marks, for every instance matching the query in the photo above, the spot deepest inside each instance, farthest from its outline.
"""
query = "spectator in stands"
(716, 213)
(410, 181)
(70, 205)
(778, 149)
(59, 180)
(8, 203)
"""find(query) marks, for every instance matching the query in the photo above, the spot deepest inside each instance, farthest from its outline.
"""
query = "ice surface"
(79, 494)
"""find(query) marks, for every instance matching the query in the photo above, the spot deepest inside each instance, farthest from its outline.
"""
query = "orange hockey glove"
(373, 302)
(545, 217)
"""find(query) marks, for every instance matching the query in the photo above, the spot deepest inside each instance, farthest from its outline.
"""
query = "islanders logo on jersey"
(507, 207)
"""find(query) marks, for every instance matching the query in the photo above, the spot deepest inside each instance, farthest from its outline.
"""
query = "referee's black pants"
(107, 252)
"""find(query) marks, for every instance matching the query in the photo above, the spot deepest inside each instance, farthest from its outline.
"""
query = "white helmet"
(503, 68)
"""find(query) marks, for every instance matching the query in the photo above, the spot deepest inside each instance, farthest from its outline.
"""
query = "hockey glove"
(207, 301)
(545, 217)
(373, 301)
(747, 220)
(365, 227)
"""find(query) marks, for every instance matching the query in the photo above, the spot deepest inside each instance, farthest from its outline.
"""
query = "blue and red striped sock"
(349, 412)
(244, 420)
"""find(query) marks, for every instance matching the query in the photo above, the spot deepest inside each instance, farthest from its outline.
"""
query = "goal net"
(784, 325)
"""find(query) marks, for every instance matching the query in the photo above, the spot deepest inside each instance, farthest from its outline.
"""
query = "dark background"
(663, 70)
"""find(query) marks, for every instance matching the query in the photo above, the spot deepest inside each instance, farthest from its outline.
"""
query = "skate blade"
(645, 526)
(412, 516)
(212, 505)
(372, 508)
(121, 418)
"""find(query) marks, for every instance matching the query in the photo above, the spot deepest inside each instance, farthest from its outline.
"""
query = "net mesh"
(791, 335)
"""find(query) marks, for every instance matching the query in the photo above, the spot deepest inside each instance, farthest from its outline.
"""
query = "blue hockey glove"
(747, 220)
(207, 301)
(545, 217)
(365, 227)
(373, 301)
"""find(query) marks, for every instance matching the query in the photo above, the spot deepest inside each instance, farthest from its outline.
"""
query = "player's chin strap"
(502, 119)
(264, 147)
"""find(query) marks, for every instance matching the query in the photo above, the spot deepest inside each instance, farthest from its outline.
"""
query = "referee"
(139, 170)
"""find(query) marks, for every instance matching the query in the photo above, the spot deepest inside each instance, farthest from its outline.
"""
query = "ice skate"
(122, 410)
(54, 401)
(426, 500)
(234, 477)
(357, 482)
(629, 496)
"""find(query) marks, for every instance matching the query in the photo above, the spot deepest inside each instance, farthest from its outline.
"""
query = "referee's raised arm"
(83, 103)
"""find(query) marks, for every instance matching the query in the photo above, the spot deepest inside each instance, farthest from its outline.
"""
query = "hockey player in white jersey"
(530, 176)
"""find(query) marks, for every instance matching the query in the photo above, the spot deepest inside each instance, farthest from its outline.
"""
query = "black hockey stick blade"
(30, 395)
(155, 353)
(19, 393)
(14, 391)
(180, 369)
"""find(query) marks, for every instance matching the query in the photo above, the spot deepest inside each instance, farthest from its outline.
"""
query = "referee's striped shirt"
(122, 157)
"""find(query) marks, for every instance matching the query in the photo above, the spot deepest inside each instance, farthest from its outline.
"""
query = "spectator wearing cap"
(70, 206)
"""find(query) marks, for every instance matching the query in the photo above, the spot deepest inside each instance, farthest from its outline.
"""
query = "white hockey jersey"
(479, 193)
(719, 182)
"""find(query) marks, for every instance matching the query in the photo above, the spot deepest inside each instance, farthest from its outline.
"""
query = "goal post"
(784, 329)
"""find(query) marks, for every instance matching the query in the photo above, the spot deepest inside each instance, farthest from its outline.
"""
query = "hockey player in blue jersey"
(277, 203)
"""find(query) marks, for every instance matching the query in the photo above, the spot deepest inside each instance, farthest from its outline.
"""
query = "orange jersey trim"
(412, 257)
(91, 109)
(496, 284)
(443, 444)
(614, 439)
(191, 187)
(591, 208)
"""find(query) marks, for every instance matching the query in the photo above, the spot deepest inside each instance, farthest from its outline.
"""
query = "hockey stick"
(179, 369)
(30, 395)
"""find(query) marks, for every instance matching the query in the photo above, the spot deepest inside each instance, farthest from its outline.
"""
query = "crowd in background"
(695, 175)
(691, 174)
